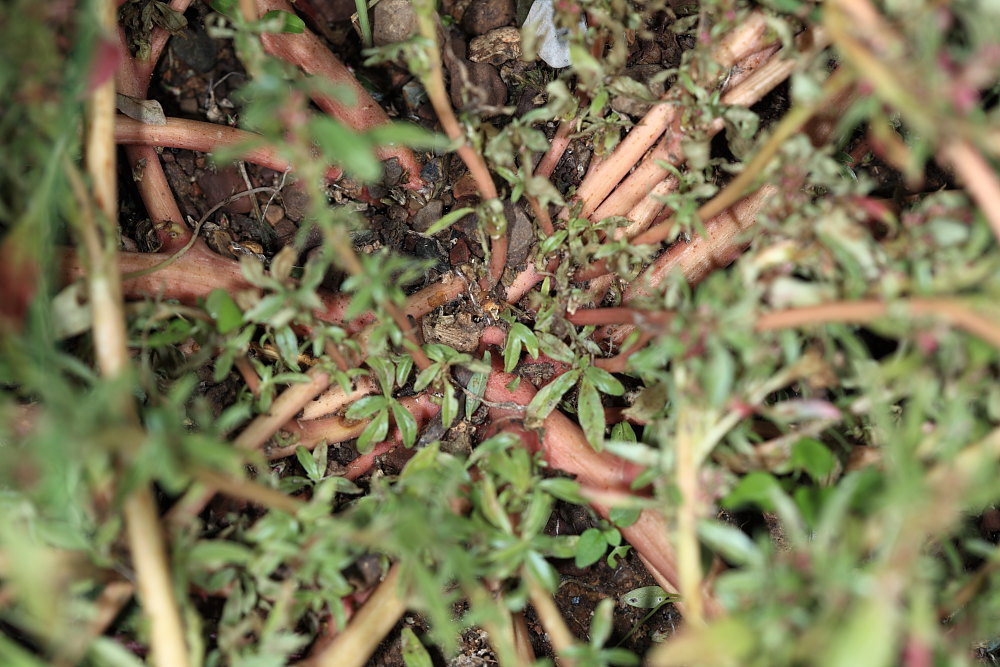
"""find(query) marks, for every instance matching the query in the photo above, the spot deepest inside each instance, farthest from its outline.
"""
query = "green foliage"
(860, 563)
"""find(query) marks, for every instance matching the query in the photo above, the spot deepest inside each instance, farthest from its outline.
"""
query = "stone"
(223, 183)
(520, 234)
(196, 49)
(478, 87)
(496, 47)
(481, 16)
(459, 253)
(427, 216)
(393, 21)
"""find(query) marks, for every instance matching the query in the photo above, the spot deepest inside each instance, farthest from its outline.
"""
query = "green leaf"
(814, 457)
(756, 488)
(542, 570)
(449, 405)
(623, 517)
(288, 346)
(548, 397)
(408, 134)
(590, 410)
(602, 623)
(374, 432)
(616, 553)
(647, 597)
(365, 407)
(590, 547)
(476, 391)
(213, 554)
(406, 423)
(446, 221)
(308, 463)
(563, 489)
(555, 348)
(221, 308)
(719, 375)
(730, 542)
(384, 370)
(519, 336)
(279, 21)
(347, 148)
(605, 382)
(427, 376)
(414, 653)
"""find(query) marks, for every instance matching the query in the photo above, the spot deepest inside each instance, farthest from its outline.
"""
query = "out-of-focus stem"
(353, 646)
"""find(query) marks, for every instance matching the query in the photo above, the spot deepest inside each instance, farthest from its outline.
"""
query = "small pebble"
(427, 216)
(481, 16)
(496, 47)
(196, 49)
(393, 21)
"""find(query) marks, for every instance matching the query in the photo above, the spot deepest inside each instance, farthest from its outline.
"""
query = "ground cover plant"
(684, 353)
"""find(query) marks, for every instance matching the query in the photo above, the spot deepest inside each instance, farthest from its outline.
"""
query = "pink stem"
(308, 52)
(205, 138)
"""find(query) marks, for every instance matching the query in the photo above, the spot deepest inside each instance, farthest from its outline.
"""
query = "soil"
(196, 78)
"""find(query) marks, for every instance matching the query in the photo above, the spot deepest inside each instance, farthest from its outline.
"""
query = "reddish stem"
(308, 52)
(205, 138)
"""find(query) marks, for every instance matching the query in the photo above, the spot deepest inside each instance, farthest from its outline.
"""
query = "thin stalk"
(555, 627)
(436, 93)
(688, 547)
(353, 646)
(862, 312)
(142, 522)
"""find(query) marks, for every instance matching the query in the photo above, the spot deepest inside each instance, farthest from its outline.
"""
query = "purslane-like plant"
(838, 376)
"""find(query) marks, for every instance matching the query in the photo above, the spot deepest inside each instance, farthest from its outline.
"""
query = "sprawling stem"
(744, 40)
(308, 52)
(204, 137)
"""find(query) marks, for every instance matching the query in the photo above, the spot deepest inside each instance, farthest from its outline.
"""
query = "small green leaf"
(279, 21)
(730, 542)
(591, 413)
(546, 400)
(623, 517)
(288, 346)
(476, 391)
(813, 457)
(221, 308)
(365, 407)
(542, 570)
(605, 382)
(647, 597)
(374, 432)
(213, 554)
(602, 623)
(406, 423)
(407, 134)
(345, 147)
(414, 653)
(590, 547)
(427, 376)
(616, 553)
(449, 405)
(563, 489)
(446, 221)
(756, 488)
(308, 463)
